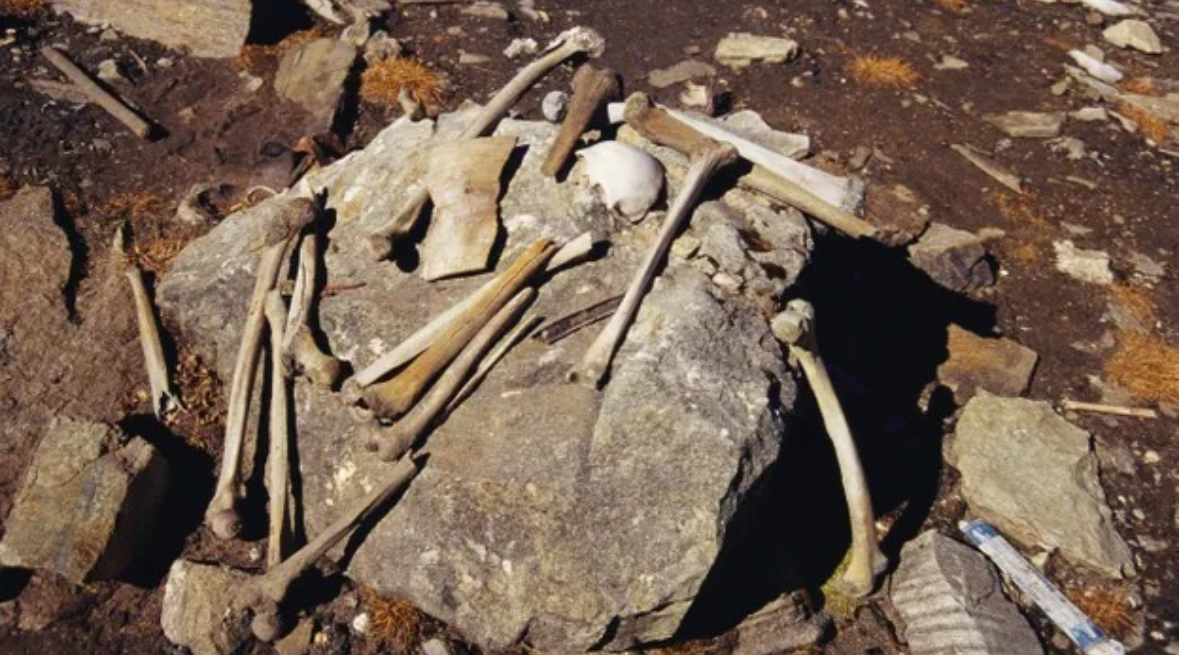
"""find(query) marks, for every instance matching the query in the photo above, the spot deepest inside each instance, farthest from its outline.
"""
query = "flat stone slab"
(953, 258)
(312, 75)
(205, 28)
(1029, 124)
(1000, 366)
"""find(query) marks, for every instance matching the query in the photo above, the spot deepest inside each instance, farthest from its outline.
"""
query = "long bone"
(574, 250)
(263, 595)
(591, 88)
(278, 459)
(572, 42)
(394, 397)
(302, 354)
(395, 441)
(222, 516)
(708, 157)
(795, 327)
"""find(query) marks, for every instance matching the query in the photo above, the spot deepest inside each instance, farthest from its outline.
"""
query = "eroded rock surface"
(206, 28)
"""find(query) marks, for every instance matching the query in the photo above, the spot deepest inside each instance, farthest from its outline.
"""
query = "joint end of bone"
(267, 625)
(581, 39)
(390, 447)
(225, 523)
(380, 245)
(316, 365)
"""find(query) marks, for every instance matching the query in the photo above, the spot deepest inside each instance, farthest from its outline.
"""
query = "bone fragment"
(795, 327)
(397, 440)
(572, 42)
(517, 334)
(278, 473)
(567, 325)
(592, 87)
(463, 181)
(411, 347)
(97, 94)
(263, 595)
(222, 516)
(1115, 410)
(396, 396)
(301, 352)
(998, 172)
(708, 157)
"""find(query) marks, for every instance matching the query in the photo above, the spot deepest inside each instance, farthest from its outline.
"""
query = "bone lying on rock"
(395, 441)
(222, 515)
(629, 179)
(574, 250)
(278, 473)
(572, 42)
(592, 87)
(463, 182)
(567, 325)
(795, 327)
(300, 351)
(396, 396)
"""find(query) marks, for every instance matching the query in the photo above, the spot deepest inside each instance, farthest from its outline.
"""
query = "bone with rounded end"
(795, 327)
(629, 179)
(395, 441)
(163, 395)
(572, 42)
(300, 350)
(278, 474)
(591, 88)
(705, 163)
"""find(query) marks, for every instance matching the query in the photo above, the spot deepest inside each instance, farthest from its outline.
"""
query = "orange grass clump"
(1146, 366)
(23, 9)
(956, 6)
(1136, 302)
(395, 625)
(1151, 126)
(883, 72)
(1110, 609)
(253, 56)
(383, 81)
(1020, 209)
(132, 205)
(1143, 86)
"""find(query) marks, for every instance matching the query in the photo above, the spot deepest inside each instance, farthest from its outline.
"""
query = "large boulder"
(206, 28)
(547, 510)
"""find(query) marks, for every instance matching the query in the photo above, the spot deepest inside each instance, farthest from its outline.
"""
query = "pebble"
(361, 623)
(164, 62)
(1090, 114)
(1073, 147)
(951, 63)
(1151, 457)
(1096, 68)
(108, 71)
(553, 106)
(680, 72)
(492, 10)
(1085, 265)
(1134, 34)
(472, 59)
(521, 48)
(108, 35)
(738, 50)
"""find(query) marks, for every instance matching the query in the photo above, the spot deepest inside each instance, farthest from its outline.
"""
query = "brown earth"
(883, 324)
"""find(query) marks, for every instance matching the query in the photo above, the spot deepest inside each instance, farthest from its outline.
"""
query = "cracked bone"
(795, 327)
(393, 398)
(301, 352)
(592, 87)
(570, 43)
(163, 395)
(575, 250)
(278, 459)
(464, 184)
(222, 515)
(391, 443)
(707, 158)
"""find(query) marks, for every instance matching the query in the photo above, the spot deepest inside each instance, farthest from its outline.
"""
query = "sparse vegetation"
(1146, 366)
(22, 9)
(1021, 209)
(1143, 86)
(382, 82)
(254, 56)
(1135, 301)
(883, 72)
(1111, 609)
(1151, 126)
(395, 625)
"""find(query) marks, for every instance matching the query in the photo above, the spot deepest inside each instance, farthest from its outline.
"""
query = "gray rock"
(1085, 265)
(718, 227)
(1000, 366)
(524, 521)
(953, 258)
(1029, 124)
(951, 601)
(87, 505)
(492, 10)
(1136, 34)
(783, 625)
(196, 610)
(1090, 114)
(553, 106)
(48, 599)
(206, 28)
(380, 46)
(1034, 476)
(951, 63)
(739, 49)
(688, 69)
(900, 217)
(313, 74)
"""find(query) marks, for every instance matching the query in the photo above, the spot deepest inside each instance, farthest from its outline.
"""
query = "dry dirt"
(883, 324)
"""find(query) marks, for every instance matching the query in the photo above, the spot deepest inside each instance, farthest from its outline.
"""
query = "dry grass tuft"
(254, 56)
(1143, 86)
(132, 205)
(1135, 301)
(1111, 609)
(956, 6)
(1146, 366)
(200, 390)
(883, 72)
(1021, 209)
(22, 9)
(1151, 126)
(396, 626)
(156, 255)
(8, 188)
(382, 82)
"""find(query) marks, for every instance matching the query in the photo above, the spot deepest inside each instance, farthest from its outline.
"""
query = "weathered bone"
(501, 349)
(278, 459)
(464, 184)
(394, 397)
(574, 250)
(708, 157)
(395, 441)
(301, 352)
(96, 94)
(263, 595)
(222, 516)
(572, 42)
(163, 395)
(795, 327)
(591, 88)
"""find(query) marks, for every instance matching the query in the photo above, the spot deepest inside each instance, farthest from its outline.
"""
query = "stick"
(97, 94)
(1116, 410)
(567, 325)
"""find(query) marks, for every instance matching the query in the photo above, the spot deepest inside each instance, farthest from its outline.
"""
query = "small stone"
(951, 63)
(1073, 147)
(202, 27)
(1094, 18)
(298, 642)
(1085, 265)
(196, 615)
(553, 106)
(695, 95)
(1028, 124)
(1151, 457)
(361, 623)
(1147, 267)
(951, 600)
(357, 34)
(1094, 52)
(1136, 34)
(252, 83)
(108, 71)
(899, 216)
(436, 646)
(1090, 114)
(738, 50)
(859, 158)
(955, 259)
(1109, 7)
(492, 10)
(108, 35)
(1000, 366)
(1098, 69)
(681, 72)
(380, 47)
(164, 62)
(1061, 87)
(521, 48)
(472, 59)
(312, 75)
(685, 247)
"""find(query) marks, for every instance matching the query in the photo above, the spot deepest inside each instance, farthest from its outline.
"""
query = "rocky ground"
(1075, 300)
